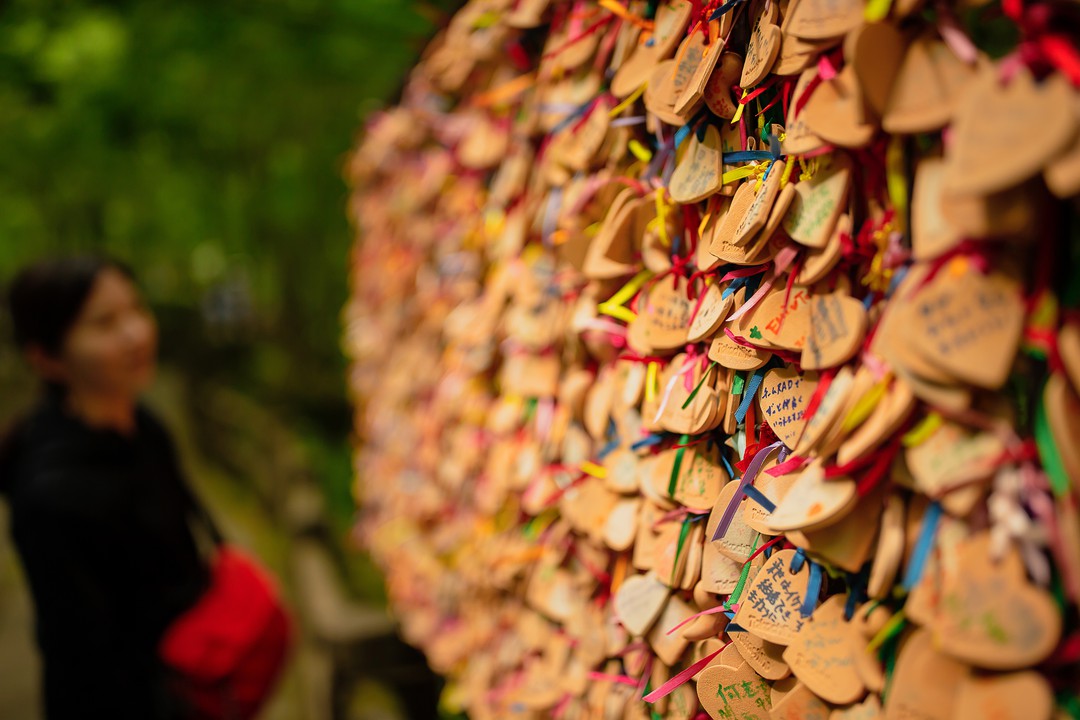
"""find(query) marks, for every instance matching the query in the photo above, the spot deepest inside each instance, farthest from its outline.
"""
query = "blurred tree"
(202, 141)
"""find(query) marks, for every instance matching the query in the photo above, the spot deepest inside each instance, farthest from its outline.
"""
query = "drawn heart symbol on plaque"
(783, 398)
(639, 602)
(1012, 696)
(990, 615)
(993, 116)
(820, 654)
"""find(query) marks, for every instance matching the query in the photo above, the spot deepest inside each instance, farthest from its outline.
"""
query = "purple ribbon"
(747, 479)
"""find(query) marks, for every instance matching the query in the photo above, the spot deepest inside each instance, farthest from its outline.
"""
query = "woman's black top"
(101, 523)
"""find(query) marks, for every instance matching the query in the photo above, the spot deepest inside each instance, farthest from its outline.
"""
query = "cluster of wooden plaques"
(720, 359)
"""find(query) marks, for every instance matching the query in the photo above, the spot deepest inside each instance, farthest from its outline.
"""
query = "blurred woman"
(99, 507)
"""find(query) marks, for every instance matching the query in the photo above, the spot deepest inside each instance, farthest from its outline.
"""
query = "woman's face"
(111, 349)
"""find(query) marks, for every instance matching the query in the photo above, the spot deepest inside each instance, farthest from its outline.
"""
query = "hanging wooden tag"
(699, 174)
(819, 202)
(924, 682)
(757, 215)
(796, 53)
(819, 654)
(972, 324)
(764, 657)
(886, 418)
(665, 310)
(620, 530)
(821, 19)
(818, 262)
(741, 203)
(837, 112)
(717, 93)
(669, 28)
(727, 692)
(702, 478)
(706, 59)
(713, 309)
(700, 412)
(927, 88)
(931, 234)
(670, 647)
(1011, 696)
(812, 502)
(739, 541)
(1062, 174)
(990, 615)
(799, 138)
(1063, 414)
(848, 543)
(639, 601)
(733, 356)
(774, 324)
(719, 573)
(800, 704)
(783, 398)
(1068, 341)
(868, 709)
(837, 327)
(993, 115)
(890, 549)
(763, 45)
(952, 456)
(828, 413)
(774, 488)
(588, 138)
(877, 52)
(611, 252)
(622, 471)
(771, 606)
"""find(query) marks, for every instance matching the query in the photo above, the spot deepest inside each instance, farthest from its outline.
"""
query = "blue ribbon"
(747, 156)
(759, 497)
(813, 590)
(724, 9)
(647, 441)
(923, 546)
(748, 394)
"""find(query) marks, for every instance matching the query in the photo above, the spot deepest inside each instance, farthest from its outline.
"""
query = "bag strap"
(198, 512)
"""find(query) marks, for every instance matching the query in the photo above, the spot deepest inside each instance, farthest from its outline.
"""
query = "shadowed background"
(201, 142)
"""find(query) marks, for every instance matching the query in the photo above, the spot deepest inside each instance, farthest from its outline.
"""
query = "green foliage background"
(202, 141)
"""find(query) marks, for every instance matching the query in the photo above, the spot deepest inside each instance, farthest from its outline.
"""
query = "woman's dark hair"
(46, 298)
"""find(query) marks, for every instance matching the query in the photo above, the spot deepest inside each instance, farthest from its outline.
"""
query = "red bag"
(228, 649)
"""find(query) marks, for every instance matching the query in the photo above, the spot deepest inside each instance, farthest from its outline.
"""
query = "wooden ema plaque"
(723, 359)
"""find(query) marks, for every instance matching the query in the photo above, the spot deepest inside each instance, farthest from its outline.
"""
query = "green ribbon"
(737, 384)
(1048, 453)
(679, 454)
(743, 577)
(704, 377)
(684, 531)
(1069, 703)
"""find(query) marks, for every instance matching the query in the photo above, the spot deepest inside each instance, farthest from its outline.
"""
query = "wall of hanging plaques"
(722, 360)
